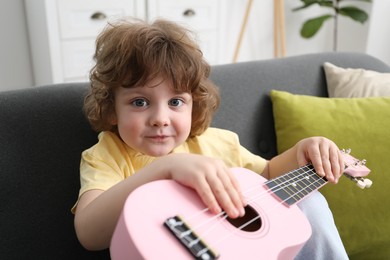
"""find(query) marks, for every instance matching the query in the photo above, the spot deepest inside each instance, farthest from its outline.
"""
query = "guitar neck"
(295, 185)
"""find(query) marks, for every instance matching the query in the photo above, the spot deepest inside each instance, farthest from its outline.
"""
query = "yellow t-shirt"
(111, 160)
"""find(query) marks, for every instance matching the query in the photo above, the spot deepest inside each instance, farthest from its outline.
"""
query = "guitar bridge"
(189, 239)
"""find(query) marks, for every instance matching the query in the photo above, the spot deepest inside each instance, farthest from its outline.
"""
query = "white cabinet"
(62, 32)
(200, 16)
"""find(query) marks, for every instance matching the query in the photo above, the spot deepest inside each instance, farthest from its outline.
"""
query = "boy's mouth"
(158, 138)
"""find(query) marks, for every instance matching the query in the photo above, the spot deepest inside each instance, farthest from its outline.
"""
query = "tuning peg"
(360, 184)
(360, 162)
(363, 183)
(346, 151)
(368, 183)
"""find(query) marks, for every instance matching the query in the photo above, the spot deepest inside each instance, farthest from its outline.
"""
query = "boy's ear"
(113, 119)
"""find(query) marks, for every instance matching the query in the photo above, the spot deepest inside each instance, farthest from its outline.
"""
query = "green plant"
(313, 25)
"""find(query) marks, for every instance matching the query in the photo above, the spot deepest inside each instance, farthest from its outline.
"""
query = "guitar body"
(141, 234)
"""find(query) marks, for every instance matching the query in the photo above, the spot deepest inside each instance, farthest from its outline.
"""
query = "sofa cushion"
(42, 134)
(361, 124)
(356, 82)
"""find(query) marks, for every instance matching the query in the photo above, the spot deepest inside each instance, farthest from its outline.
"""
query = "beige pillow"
(356, 82)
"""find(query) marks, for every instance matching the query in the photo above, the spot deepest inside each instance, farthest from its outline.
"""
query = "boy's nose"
(160, 117)
(160, 123)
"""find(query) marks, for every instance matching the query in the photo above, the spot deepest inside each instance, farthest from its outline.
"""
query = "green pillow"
(362, 124)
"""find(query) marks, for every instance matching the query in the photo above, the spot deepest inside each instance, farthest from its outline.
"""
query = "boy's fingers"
(207, 196)
(224, 193)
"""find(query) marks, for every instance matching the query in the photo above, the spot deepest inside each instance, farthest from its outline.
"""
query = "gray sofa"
(43, 131)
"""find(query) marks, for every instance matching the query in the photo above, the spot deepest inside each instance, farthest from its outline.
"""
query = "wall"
(352, 36)
(258, 40)
(378, 42)
(15, 62)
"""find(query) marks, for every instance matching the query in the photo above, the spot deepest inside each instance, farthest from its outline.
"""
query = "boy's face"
(153, 120)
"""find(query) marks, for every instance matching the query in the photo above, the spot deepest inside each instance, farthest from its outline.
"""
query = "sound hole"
(250, 216)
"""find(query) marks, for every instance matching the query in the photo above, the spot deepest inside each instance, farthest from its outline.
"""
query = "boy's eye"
(140, 102)
(176, 102)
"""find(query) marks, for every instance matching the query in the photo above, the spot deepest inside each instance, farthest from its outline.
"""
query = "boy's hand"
(212, 180)
(323, 154)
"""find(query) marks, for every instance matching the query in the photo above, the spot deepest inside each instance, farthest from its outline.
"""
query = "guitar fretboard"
(297, 184)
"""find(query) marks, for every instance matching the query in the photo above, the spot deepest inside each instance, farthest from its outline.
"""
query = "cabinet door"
(79, 24)
(200, 16)
(86, 18)
(77, 59)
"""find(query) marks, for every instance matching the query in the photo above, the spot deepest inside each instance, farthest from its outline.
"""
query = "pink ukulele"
(165, 220)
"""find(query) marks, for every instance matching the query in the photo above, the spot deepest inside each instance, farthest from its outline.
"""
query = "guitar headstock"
(356, 169)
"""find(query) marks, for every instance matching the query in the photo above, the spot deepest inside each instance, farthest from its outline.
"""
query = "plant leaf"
(354, 13)
(311, 26)
(368, 1)
(307, 3)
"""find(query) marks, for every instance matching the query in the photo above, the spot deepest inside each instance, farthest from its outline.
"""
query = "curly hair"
(132, 53)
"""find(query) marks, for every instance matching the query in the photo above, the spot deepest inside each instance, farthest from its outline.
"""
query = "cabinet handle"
(189, 13)
(98, 16)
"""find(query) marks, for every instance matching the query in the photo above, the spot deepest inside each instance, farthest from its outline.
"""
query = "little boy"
(152, 102)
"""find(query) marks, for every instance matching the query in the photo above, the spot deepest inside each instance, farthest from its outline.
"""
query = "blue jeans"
(325, 241)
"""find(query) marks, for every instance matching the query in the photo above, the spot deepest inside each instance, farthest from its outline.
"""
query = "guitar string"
(271, 190)
(271, 209)
(263, 194)
(266, 192)
(254, 219)
(307, 174)
(311, 174)
(259, 196)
